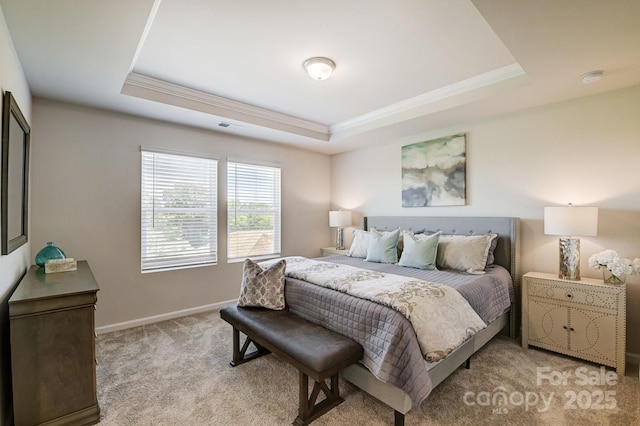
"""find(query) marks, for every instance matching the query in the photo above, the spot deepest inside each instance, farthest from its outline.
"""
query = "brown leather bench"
(314, 350)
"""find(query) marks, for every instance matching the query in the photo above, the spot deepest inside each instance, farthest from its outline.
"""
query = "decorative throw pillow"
(491, 259)
(262, 288)
(464, 253)
(400, 237)
(360, 244)
(419, 250)
(383, 246)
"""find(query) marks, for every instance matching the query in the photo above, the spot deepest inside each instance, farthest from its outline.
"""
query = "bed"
(394, 369)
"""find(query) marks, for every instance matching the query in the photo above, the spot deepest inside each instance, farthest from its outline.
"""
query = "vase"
(48, 253)
(609, 278)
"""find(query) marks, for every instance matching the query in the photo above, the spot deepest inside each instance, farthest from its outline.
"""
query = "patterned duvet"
(392, 351)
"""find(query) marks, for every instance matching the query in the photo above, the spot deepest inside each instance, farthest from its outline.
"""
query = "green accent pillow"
(360, 244)
(419, 250)
(383, 246)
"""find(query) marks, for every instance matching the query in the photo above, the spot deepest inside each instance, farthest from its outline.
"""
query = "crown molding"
(443, 98)
(153, 89)
(433, 101)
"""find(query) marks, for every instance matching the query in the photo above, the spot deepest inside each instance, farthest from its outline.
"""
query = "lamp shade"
(339, 219)
(571, 221)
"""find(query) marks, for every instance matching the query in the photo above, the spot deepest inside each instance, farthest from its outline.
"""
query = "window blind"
(179, 211)
(253, 210)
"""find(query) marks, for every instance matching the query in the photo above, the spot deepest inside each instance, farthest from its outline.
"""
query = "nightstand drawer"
(598, 296)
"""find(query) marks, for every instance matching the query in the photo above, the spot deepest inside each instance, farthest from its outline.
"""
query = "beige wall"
(12, 79)
(12, 266)
(86, 199)
(585, 151)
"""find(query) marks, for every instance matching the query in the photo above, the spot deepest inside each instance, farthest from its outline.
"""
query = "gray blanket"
(392, 353)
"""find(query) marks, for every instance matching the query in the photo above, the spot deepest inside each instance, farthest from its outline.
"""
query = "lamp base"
(569, 259)
(339, 240)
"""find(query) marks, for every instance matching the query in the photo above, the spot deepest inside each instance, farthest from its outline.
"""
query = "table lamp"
(569, 222)
(339, 219)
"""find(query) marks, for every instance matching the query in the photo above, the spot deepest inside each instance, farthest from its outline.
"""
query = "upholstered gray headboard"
(506, 252)
(506, 227)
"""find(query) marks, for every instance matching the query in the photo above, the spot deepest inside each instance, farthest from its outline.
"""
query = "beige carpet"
(176, 373)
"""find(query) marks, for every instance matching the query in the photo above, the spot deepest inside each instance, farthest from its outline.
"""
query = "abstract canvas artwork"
(434, 172)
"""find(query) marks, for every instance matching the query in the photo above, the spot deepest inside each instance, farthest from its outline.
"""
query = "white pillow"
(360, 244)
(383, 246)
(466, 253)
(419, 250)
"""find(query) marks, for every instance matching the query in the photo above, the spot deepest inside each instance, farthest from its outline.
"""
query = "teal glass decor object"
(48, 253)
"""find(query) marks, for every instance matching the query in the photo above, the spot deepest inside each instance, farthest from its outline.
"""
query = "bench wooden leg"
(240, 356)
(398, 418)
(308, 410)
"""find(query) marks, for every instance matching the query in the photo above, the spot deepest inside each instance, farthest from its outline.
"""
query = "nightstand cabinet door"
(547, 325)
(592, 337)
(585, 319)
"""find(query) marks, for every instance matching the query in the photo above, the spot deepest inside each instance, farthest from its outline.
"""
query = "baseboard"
(163, 317)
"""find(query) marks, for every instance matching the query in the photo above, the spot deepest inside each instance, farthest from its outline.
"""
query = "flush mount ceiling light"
(592, 76)
(319, 68)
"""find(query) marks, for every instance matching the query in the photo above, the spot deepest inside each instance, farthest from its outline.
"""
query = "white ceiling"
(404, 67)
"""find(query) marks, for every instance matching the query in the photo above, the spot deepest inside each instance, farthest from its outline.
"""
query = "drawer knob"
(569, 296)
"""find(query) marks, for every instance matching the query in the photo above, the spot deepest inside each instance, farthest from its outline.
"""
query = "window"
(179, 200)
(253, 216)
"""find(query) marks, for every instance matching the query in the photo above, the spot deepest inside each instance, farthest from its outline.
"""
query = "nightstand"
(585, 319)
(332, 251)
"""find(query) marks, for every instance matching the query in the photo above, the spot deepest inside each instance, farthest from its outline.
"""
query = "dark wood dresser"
(53, 360)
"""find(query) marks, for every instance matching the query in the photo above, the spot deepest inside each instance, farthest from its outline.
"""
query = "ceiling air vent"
(227, 125)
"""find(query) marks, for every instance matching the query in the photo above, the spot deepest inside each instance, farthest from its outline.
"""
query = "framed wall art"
(15, 175)
(434, 172)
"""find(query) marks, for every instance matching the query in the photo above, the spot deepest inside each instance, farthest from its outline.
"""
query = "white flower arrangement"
(618, 266)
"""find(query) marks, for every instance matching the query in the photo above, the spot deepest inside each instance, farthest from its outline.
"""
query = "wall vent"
(227, 125)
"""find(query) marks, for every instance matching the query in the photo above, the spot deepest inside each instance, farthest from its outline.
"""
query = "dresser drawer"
(598, 296)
